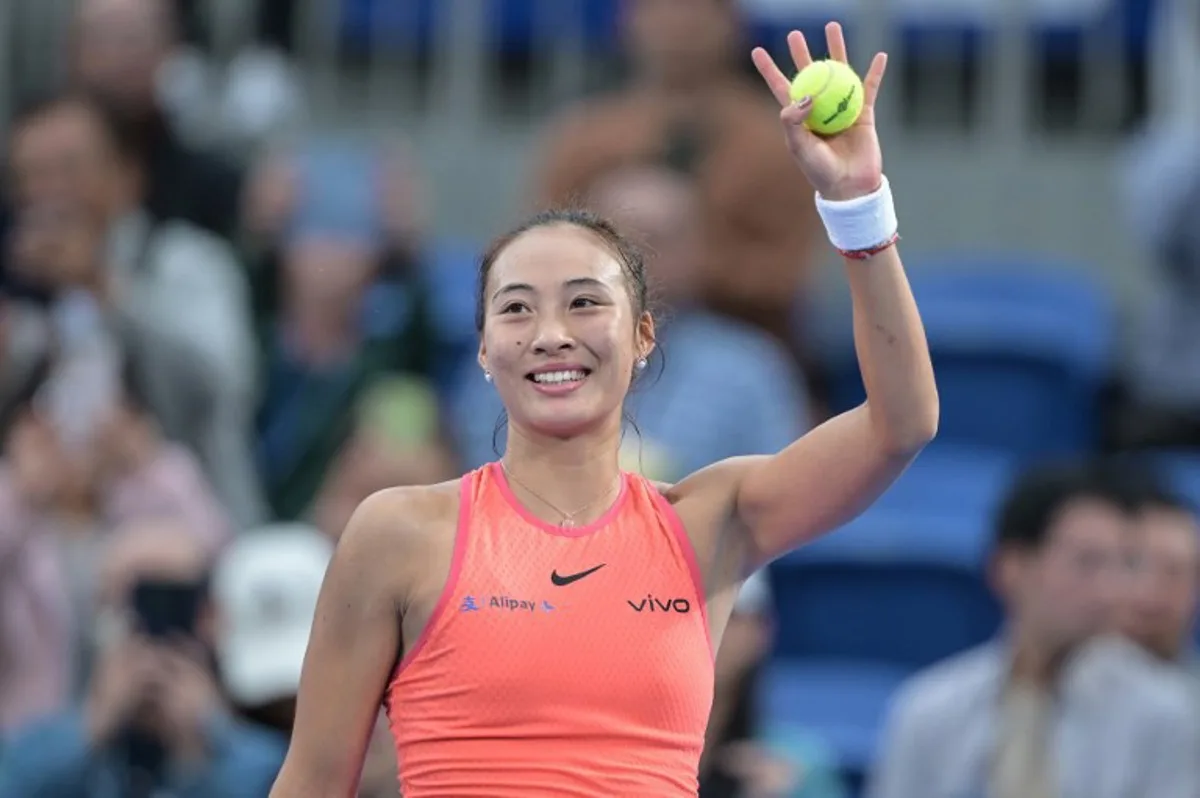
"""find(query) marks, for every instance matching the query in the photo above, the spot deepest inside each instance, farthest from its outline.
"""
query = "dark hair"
(23, 397)
(1033, 503)
(119, 133)
(1164, 498)
(1143, 486)
(132, 378)
(633, 264)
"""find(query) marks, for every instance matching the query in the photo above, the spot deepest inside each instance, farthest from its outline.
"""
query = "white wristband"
(861, 223)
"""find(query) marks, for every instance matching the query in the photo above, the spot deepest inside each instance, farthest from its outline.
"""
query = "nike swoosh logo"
(566, 580)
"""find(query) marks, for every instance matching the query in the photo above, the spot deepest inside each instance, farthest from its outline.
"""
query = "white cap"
(265, 587)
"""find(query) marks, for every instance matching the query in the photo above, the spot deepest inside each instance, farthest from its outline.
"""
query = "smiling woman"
(546, 624)
(563, 313)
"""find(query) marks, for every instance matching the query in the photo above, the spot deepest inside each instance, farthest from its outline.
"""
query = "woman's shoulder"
(706, 500)
(715, 483)
(402, 521)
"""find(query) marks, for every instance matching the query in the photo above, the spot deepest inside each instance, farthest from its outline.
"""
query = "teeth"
(553, 377)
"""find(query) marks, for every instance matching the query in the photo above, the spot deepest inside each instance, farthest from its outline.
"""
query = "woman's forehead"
(555, 255)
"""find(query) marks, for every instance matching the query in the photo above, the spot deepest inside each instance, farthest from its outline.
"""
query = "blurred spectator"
(1174, 62)
(379, 776)
(1160, 181)
(687, 103)
(397, 440)
(120, 49)
(63, 485)
(263, 91)
(1051, 708)
(744, 644)
(152, 721)
(742, 759)
(176, 291)
(351, 309)
(265, 587)
(356, 189)
(25, 337)
(70, 149)
(1165, 592)
(726, 389)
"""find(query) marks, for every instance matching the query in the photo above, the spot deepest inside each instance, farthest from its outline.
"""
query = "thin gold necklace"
(568, 519)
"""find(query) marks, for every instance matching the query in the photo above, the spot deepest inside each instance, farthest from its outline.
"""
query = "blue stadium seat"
(952, 481)
(366, 23)
(1181, 469)
(1021, 350)
(516, 28)
(844, 703)
(451, 269)
(1059, 37)
(894, 588)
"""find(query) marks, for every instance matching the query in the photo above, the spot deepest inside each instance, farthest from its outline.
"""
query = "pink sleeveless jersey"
(558, 662)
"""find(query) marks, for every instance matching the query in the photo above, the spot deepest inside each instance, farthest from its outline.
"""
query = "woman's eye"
(514, 307)
(584, 302)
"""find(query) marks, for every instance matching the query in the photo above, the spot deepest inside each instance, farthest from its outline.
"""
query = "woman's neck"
(557, 476)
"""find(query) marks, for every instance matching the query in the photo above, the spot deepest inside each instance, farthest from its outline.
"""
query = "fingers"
(780, 85)
(798, 46)
(776, 81)
(181, 653)
(793, 117)
(836, 42)
(874, 79)
(795, 113)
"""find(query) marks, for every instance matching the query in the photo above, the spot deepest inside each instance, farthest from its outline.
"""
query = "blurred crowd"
(217, 339)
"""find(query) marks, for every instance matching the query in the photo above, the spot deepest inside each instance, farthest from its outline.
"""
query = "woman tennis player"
(546, 625)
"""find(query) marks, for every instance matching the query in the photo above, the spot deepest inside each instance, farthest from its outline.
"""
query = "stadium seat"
(516, 27)
(894, 588)
(953, 481)
(1058, 24)
(1181, 468)
(366, 24)
(451, 269)
(843, 703)
(1021, 350)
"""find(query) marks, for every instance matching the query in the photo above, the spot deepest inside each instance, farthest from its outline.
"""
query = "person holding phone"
(63, 489)
(152, 720)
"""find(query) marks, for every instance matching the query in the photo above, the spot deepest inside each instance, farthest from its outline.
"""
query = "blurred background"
(237, 280)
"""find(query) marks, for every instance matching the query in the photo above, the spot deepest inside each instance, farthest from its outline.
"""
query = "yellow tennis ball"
(837, 96)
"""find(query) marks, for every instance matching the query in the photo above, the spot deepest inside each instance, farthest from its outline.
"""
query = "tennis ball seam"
(843, 104)
(828, 80)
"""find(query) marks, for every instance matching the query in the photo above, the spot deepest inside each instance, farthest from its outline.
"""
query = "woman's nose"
(552, 336)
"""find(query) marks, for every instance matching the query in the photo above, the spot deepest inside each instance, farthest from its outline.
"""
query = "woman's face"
(560, 337)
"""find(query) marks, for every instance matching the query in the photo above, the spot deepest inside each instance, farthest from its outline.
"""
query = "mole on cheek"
(518, 343)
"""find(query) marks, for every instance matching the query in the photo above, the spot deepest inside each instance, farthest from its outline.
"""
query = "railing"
(439, 56)
(448, 51)
(973, 114)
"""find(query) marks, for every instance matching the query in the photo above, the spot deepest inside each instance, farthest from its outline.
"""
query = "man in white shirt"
(1163, 600)
(1054, 708)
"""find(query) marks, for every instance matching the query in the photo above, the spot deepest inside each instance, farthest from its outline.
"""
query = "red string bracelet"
(863, 254)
